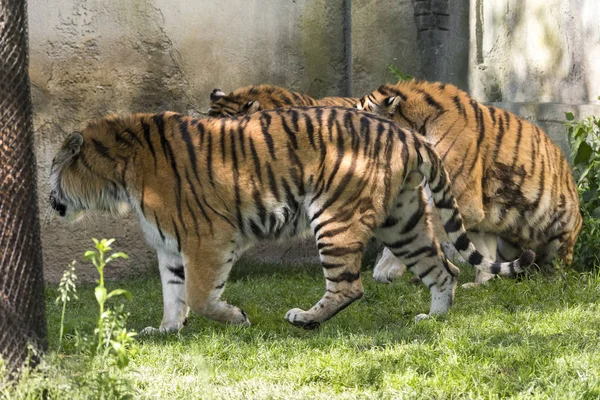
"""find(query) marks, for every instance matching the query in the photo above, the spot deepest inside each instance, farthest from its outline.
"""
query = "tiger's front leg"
(175, 309)
(207, 267)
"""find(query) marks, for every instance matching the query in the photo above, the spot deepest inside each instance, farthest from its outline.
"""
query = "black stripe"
(454, 223)
(222, 133)
(310, 130)
(209, 166)
(288, 131)
(178, 271)
(343, 251)
(429, 251)
(185, 135)
(198, 203)
(102, 150)
(345, 277)
(426, 272)
(272, 182)
(415, 218)
(475, 258)
(177, 236)
(327, 265)
(462, 243)
(256, 160)
(146, 129)
(499, 138)
(401, 243)
(459, 106)
(160, 232)
(265, 123)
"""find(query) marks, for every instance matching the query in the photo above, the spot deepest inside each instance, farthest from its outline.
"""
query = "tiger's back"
(250, 99)
(508, 177)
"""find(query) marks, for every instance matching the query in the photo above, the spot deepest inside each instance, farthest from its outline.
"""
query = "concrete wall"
(543, 51)
(383, 33)
(537, 58)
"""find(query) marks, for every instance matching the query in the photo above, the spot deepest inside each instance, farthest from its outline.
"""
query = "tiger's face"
(81, 180)
(380, 102)
(240, 102)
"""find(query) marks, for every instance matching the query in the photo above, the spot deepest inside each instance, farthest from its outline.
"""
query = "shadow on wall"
(536, 51)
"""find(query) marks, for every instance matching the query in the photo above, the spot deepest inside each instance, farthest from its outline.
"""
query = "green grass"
(535, 338)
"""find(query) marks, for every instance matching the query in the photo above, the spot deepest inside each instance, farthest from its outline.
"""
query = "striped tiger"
(513, 186)
(206, 190)
(250, 99)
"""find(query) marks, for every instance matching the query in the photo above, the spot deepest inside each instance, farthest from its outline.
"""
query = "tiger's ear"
(74, 143)
(252, 106)
(389, 105)
(216, 95)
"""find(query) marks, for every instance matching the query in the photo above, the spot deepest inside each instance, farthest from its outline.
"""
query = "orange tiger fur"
(205, 190)
(249, 99)
(509, 179)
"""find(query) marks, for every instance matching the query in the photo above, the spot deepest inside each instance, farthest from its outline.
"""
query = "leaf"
(118, 255)
(108, 242)
(89, 255)
(589, 195)
(584, 152)
(118, 292)
(569, 116)
(100, 293)
(596, 213)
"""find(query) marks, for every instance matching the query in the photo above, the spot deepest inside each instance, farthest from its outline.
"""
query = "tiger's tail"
(430, 165)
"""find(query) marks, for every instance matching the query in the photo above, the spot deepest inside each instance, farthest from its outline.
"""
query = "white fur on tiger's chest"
(153, 235)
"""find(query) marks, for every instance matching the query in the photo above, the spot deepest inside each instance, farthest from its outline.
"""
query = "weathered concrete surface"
(383, 33)
(90, 58)
(535, 51)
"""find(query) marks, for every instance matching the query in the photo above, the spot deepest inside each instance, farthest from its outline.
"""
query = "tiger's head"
(239, 102)
(382, 102)
(87, 172)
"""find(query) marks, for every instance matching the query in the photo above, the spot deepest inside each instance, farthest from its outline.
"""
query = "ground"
(531, 338)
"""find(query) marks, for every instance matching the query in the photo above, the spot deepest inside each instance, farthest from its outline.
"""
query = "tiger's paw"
(470, 285)
(242, 319)
(152, 331)
(421, 317)
(301, 319)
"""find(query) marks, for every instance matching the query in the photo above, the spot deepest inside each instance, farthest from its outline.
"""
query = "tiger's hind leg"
(175, 309)
(407, 233)
(207, 267)
(341, 247)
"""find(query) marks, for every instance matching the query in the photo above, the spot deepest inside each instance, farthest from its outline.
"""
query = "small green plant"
(67, 290)
(112, 338)
(584, 141)
(399, 75)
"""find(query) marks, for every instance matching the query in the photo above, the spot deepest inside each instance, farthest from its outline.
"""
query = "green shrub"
(96, 360)
(399, 75)
(584, 141)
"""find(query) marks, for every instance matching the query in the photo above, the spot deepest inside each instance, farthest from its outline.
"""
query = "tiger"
(250, 99)
(513, 186)
(206, 190)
